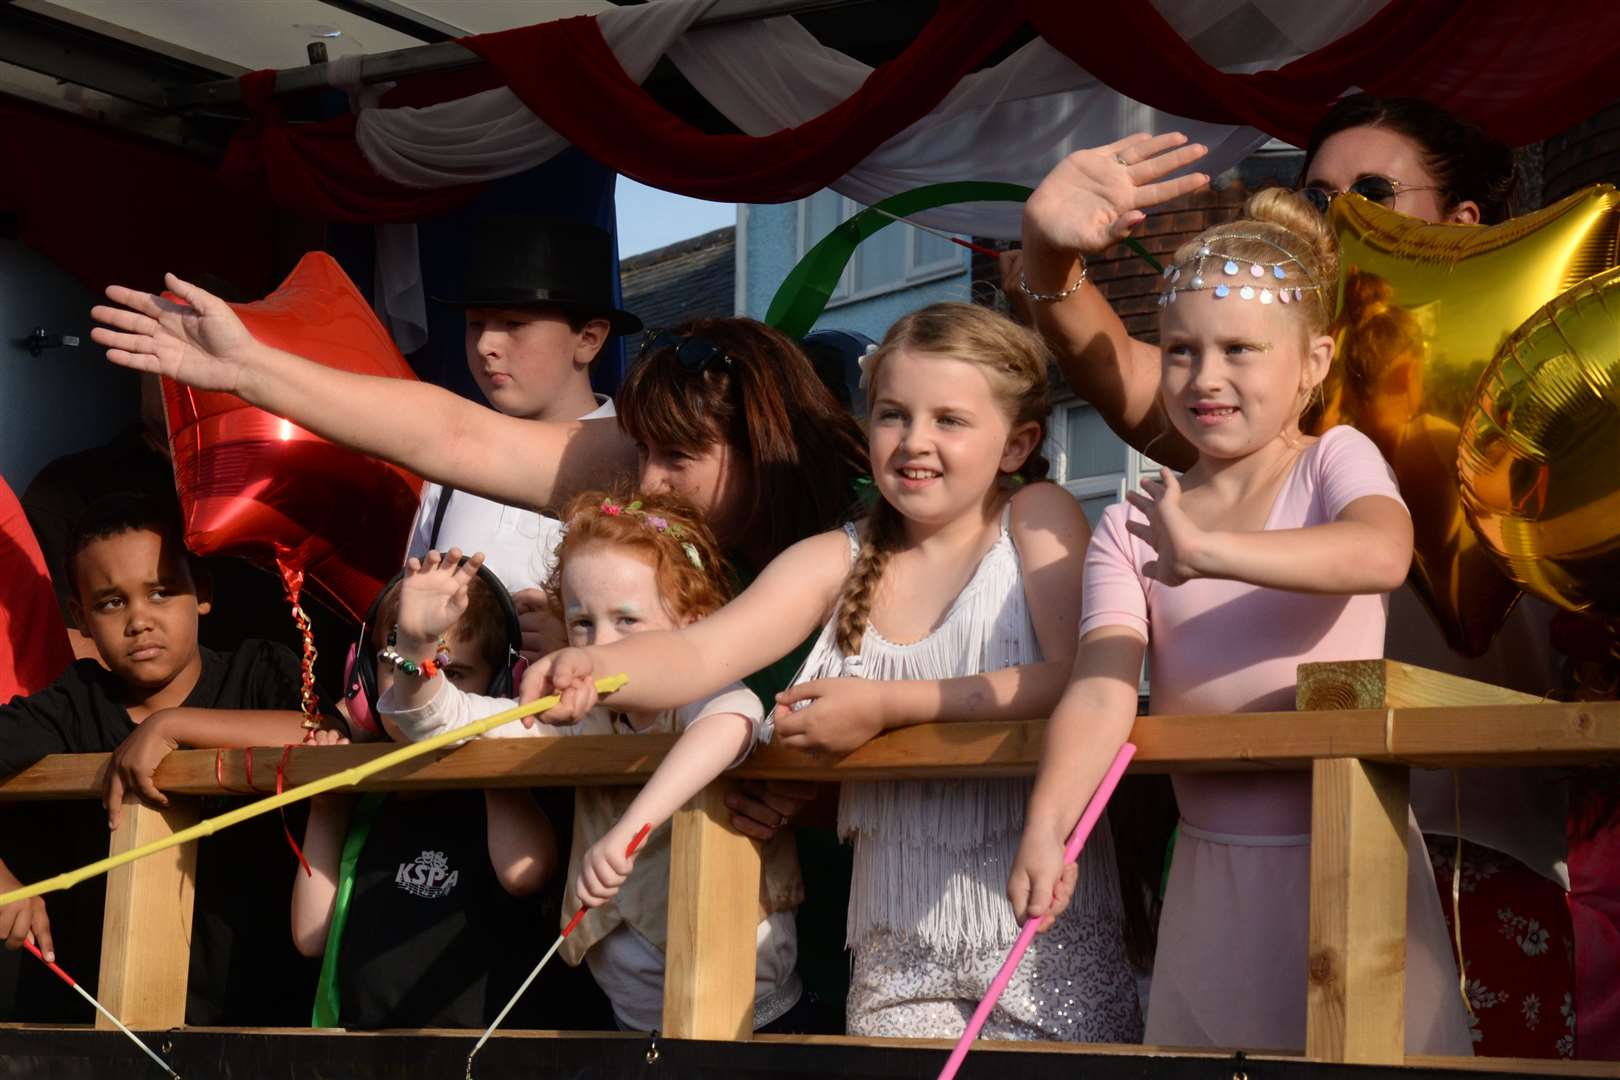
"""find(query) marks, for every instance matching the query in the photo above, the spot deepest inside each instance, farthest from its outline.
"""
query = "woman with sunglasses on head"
(1416, 158)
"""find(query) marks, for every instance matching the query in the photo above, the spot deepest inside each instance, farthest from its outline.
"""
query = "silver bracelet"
(1052, 298)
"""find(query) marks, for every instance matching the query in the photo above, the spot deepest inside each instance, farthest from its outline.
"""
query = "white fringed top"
(932, 857)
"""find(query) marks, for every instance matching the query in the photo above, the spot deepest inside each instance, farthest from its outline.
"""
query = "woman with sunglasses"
(1416, 158)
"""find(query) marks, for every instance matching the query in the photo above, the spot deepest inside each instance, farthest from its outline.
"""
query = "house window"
(893, 258)
(1094, 465)
(1090, 461)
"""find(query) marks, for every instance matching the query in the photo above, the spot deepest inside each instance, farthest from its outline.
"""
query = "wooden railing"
(1359, 725)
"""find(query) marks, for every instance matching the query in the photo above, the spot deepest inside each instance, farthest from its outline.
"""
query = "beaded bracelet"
(1053, 298)
(426, 669)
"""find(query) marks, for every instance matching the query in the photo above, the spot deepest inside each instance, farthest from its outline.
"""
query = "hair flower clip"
(864, 361)
(611, 509)
(692, 553)
(656, 522)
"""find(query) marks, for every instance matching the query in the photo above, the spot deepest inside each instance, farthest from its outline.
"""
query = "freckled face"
(610, 593)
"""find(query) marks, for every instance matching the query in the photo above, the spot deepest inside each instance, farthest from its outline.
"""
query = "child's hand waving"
(1093, 198)
(1176, 538)
(434, 594)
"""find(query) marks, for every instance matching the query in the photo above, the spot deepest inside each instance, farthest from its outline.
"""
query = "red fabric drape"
(110, 207)
(318, 169)
(565, 72)
(1522, 71)
(34, 645)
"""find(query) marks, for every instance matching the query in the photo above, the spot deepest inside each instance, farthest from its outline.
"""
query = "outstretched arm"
(422, 427)
(1050, 532)
(1090, 201)
(668, 669)
(702, 753)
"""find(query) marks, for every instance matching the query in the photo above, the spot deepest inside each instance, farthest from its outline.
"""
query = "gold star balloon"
(1540, 455)
(1423, 310)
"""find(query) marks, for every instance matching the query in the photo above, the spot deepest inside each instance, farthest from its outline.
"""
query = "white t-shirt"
(518, 543)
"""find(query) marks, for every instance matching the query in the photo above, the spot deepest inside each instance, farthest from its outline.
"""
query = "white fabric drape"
(1012, 122)
(492, 134)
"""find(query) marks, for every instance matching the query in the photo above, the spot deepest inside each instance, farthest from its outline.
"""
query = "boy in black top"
(135, 595)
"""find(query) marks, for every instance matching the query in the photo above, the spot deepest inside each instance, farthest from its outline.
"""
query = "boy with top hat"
(539, 305)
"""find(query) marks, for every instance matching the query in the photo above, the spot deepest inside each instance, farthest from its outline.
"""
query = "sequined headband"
(656, 523)
(1277, 284)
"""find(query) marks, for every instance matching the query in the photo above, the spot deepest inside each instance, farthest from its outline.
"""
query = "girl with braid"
(956, 599)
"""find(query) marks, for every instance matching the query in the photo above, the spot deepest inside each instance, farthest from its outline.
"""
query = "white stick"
(484, 1038)
(100, 1008)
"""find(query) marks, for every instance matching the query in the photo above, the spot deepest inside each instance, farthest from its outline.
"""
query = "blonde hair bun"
(1282, 220)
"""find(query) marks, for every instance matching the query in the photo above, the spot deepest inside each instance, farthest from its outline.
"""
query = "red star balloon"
(254, 485)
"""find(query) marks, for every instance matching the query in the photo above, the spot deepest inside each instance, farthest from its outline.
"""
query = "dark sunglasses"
(694, 354)
(1378, 189)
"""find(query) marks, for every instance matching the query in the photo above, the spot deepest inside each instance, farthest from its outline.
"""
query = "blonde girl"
(956, 599)
(1273, 549)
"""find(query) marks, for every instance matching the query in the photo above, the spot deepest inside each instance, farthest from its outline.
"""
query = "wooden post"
(1356, 964)
(146, 931)
(713, 923)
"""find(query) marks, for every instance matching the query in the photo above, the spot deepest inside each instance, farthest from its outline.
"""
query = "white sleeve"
(451, 708)
(733, 700)
(422, 527)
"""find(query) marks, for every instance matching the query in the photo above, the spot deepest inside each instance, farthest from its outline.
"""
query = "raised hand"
(1093, 198)
(1176, 539)
(199, 342)
(433, 594)
(568, 673)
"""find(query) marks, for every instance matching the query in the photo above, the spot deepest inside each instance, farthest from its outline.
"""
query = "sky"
(649, 218)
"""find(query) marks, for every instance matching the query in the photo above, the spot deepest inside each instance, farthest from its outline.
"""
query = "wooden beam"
(1389, 684)
(714, 877)
(1356, 959)
(146, 929)
(1554, 733)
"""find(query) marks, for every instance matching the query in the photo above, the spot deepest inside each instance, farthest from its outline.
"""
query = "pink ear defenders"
(360, 669)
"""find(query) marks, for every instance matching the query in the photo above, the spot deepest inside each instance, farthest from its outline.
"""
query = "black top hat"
(520, 259)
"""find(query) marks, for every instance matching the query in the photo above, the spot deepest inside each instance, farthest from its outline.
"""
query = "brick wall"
(1588, 153)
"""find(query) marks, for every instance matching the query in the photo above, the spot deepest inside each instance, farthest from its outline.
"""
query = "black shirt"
(433, 939)
(244, 969)
(249, 602)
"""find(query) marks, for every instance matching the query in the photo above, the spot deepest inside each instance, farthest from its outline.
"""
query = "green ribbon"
(804, 293)
(328, 997)
(803, 296)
